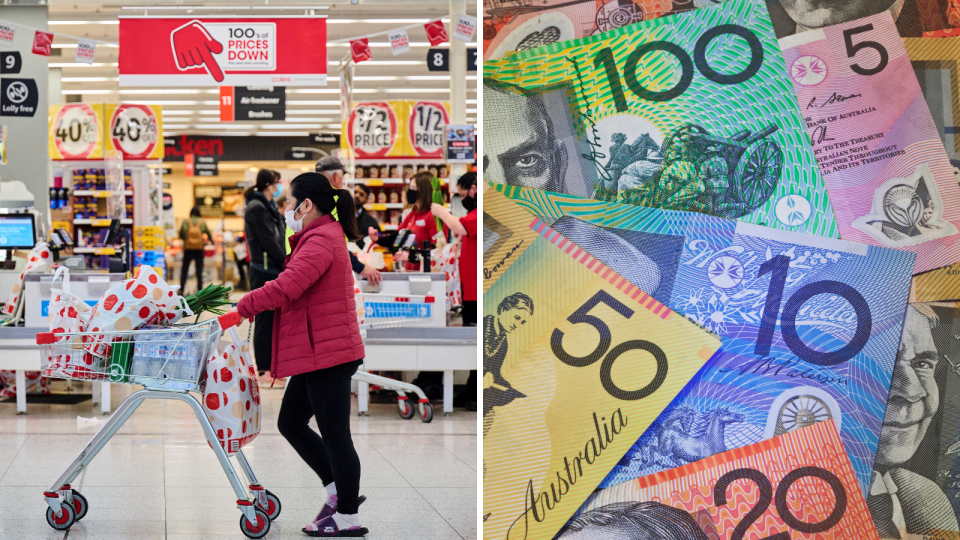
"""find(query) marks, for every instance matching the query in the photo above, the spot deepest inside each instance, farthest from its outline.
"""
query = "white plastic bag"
(231, 397)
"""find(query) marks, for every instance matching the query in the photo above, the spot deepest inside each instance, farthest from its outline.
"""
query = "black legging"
(263, 329)
(195, 255)
(324, 394)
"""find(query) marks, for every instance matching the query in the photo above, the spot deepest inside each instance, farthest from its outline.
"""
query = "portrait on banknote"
(632, 521)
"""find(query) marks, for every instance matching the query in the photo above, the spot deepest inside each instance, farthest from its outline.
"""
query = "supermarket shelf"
(384, 206)
(98, 192)
(100, 222)
(379, 181)
(95, 250)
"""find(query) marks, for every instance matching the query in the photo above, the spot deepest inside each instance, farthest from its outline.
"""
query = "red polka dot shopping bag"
(68, 314)
(231, 397)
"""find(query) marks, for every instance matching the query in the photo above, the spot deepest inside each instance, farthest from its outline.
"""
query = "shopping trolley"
(393, 311)
(169, 362)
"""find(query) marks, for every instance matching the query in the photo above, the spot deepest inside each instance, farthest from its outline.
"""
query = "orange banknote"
(799, 485)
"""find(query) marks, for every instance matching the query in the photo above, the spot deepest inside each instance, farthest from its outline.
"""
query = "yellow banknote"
(577, 364)
(506, 234)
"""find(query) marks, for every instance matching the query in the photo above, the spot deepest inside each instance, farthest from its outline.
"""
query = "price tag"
(135, 131)
(75, 132)
(100, 222)
(101, 194)
(426, 125)
(104, 251)
(377, 207)
(374, 182)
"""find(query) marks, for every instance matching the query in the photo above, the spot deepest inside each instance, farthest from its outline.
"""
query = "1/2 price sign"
(76, 131)
(134, 131)
(373, 129)
(425, 126)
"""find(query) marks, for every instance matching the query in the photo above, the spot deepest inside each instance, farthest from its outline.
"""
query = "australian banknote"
(915, 488)
(577, 362)
(691, 112)
(882, 159)
(810, 325)
(799, 485)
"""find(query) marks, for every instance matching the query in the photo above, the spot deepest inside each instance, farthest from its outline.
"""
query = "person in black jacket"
(361, 194)
(265, 230)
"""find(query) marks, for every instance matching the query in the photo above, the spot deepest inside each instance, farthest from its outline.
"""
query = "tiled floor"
(158, 479)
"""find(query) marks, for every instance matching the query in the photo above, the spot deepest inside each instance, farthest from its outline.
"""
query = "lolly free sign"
(229, 51)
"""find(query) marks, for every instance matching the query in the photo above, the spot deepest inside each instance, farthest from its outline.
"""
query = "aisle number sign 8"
(76, 131)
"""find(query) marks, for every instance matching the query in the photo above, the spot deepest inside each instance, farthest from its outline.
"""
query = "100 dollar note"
(796, 486)
(810, 326)
(576, 364)
(691, 112)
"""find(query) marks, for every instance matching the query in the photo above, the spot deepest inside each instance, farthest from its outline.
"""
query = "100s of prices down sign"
(227, 51)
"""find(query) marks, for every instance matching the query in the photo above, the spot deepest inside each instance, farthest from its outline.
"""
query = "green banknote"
(691, 112)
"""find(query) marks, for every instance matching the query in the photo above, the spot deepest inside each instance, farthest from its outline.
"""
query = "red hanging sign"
(360, 50)
(42, 43)
(436, 32)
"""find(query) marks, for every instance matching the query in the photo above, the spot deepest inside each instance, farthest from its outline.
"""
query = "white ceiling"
(194, 110)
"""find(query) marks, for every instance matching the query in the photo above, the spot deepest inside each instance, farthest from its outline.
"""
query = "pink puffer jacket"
(315, 325)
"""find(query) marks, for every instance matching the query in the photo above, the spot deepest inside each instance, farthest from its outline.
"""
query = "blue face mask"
(276, 194)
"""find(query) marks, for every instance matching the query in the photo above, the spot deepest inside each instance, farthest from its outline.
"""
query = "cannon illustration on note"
(696, 171)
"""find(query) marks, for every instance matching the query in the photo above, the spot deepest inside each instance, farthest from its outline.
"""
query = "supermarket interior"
(238, 253)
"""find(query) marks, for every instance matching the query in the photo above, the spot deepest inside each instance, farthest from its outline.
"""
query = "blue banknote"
(810, 326)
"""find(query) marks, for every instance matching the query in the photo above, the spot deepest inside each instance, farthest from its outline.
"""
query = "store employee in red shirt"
(465, 228)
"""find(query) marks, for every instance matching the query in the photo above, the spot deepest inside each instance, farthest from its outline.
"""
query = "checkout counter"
(430, 345)
(19, 344)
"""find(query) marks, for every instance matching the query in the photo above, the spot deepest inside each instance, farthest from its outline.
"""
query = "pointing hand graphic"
(193, 46)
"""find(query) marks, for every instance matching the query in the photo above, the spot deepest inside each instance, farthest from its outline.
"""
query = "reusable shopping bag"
(449, 263)
(231, 397)
(67, 314)
(38, 258)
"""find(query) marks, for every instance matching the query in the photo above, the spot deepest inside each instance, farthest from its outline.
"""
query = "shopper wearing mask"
(420, 221)
(365, 221)
(466, 229)
(332, 169)
(264, 228)
(316, 342)
(195, 236)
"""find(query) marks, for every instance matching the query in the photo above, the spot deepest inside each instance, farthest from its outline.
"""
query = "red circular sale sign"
(427, 121)
(372, 129)
(76, 131)
(134, 131)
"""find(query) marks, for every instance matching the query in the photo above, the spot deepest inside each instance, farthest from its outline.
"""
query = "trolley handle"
(229, 320)
(46, 338)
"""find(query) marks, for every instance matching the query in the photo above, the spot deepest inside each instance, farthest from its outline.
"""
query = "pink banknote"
(886, 171)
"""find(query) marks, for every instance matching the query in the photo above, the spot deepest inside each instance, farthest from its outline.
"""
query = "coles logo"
(372, 129)
(223, 47)
(134, 131)
(428, 120)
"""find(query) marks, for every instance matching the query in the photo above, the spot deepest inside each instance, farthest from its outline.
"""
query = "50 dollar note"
(571, 378)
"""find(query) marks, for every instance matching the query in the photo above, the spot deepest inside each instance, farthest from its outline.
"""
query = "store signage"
(7, 31)
(10, 62)
(218, 201)
(360, 50)
(271, 51)
(372, 129)
(425, 124)
(466, 26)
(86, 50)
(439, 59)
(436, 32)
(246, 103)
(206, 166)
(460, 142)
(76, 131)
(326, 138)
(399, 41)
(18, 97)
(135, 130)
(229, 148)
(298, 155)
(42, 43)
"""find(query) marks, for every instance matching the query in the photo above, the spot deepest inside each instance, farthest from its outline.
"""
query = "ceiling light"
(311, 102)
(79, 64)
(187, 111)
(74, 45)
(169, 91)
(88, 79)
(171, 102)
(225, 125)
(282, 134)
(115, 21)
(82, 92)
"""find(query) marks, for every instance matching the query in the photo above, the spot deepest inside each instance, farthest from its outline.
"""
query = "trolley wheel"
(406, 409)
(262, 528)
(427, 414)
(80, 504)
(273, 505)
(66, 519)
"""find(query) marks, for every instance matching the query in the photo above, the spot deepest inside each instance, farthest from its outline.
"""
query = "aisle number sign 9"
(85, 131)
(76, 131)
(134, 131)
